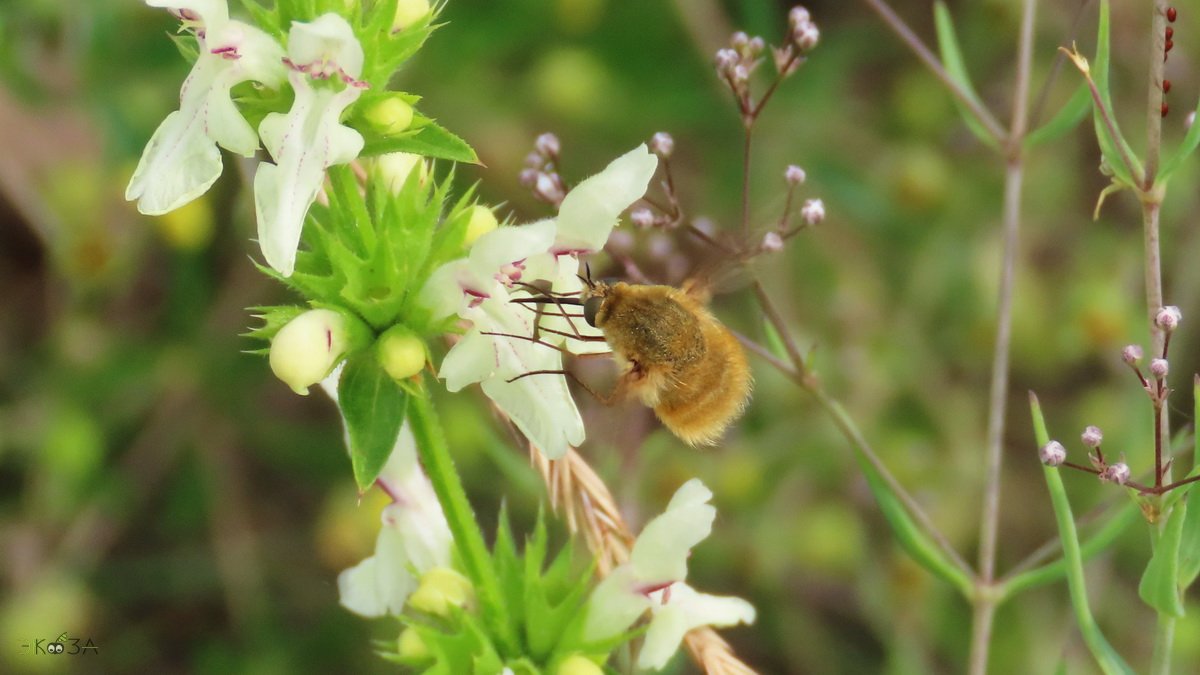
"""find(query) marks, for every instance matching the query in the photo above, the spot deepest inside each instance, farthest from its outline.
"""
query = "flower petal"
(613, 606)
(589, 212)
(684, 611)
(328, 40)
(178, 165)
(470, 360)
(181, 161)
(505, 245)
(304, 143)
(661, 551)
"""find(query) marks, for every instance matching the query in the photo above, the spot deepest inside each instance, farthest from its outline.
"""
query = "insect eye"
(591, 307)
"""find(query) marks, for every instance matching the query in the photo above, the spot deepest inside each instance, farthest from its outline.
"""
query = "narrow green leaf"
(187, 46)
(373, 405)
(952, 59)
(430, 141)
(1107, 657)
(1159, 587)
(1067, 117)
(1114, 147)
(1099, 541)
(912, 538)
(1189, 549)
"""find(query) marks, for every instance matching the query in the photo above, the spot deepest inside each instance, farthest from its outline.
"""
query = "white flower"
(653, 579)
(477, 288)
(310, 137)
(480, 288)
(589, 212)
(182, 161)
(414, 539)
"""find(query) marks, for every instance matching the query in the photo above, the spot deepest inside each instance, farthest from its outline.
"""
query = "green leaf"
(1159, 587)
(1189, 549)
(264, 18)
(188, 48)
(1126, 515)
(955, 66)
(1107, 657)
(1114, 148)
(1067, 118)
(912, 538)
(430, 140)
(373, 405)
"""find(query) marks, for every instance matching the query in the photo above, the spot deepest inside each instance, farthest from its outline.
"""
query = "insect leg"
(606, 400)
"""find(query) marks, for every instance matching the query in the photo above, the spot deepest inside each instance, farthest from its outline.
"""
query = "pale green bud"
(400, 352)
(390, 116)
(394, 168)
(409, 12)
(481, 221)
(411, 646)
(440, 589)
(308, 347)
(579, 665)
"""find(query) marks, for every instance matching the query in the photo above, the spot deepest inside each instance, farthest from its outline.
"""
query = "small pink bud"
(1092, 437)
(1159, 368)
(1116, 473)
(547, 145)
(1168, 318)
(1053, 454)
(739, 40)
(528, 177)
(726, 60)
(799, 16)
(641, 217)
(1132, 354)
(794, 175)
(813, 211)
(772, 242)
(662, 144)
(548, 188)
(806, 37)
(756, 46)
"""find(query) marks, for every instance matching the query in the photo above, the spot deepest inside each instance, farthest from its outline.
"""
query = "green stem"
(468, 539)
(1107, 657)
(1163, 637)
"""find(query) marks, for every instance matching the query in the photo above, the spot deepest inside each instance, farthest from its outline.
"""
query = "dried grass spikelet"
(588, 506)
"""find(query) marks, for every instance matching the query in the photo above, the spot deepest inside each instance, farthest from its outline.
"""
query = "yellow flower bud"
(411, 646)
(440, 589)
(308, 347)
(390, 116)
(409, 12)
(395, 167)
(400, 352)
(578, 665)
(481, 221)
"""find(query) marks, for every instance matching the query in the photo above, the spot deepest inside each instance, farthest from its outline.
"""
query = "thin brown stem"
(1154, 100)
(749, 123)
(846, 425)
(989, 520)
(901, 29)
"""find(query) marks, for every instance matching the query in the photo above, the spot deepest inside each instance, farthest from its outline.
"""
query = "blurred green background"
(162, 494)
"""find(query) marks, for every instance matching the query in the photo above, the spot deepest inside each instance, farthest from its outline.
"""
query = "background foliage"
(162, 494)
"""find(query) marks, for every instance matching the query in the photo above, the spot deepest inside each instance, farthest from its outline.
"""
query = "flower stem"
(468, 539)
(1164, 636)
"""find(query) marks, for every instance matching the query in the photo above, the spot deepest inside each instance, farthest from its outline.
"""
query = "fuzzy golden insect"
(675, 356)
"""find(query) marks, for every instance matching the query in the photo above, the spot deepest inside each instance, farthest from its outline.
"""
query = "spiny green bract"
(547, 603)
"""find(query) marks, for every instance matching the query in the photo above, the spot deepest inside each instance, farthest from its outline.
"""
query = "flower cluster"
(322, 66)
